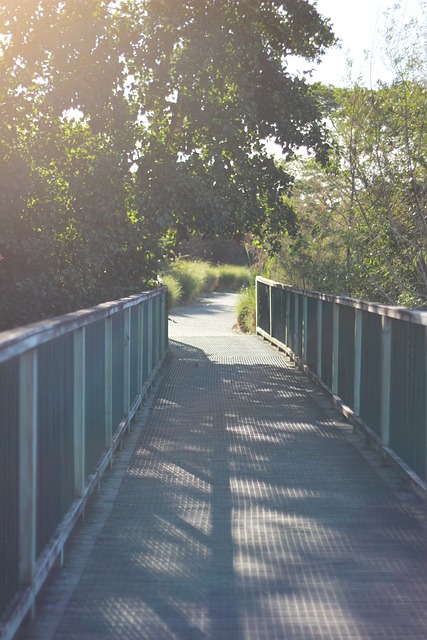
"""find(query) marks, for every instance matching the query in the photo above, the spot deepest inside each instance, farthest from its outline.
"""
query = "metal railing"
(370, 357)
(69, 388)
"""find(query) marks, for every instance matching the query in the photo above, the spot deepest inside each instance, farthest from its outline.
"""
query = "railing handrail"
(398, 313)
(15, 342)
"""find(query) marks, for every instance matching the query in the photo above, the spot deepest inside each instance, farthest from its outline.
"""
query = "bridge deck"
(245, 511)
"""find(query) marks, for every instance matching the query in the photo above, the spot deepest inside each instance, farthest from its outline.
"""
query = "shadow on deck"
(245, 508)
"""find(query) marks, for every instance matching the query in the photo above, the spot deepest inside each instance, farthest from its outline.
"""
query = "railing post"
(335, 347)
(166, 321)
(79, 412)
(158, 332)
(256, 302)
(319, 337)
(150, 337)
(126, 368)
(139, 347)
(385, 380)
(296, 324)
(108, 392)
(162, 323)
(27, 465)
(270, 307)
(358, 324)
(287, 316)
(425, 421)
(304, 329)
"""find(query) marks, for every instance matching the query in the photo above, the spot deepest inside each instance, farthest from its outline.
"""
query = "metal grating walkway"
(245, 512)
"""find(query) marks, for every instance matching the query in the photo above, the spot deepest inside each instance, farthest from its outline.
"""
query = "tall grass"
(246, 309)
(188, 279)
(174, 289)
(232, 277)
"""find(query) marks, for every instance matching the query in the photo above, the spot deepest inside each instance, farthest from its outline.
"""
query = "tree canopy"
(214, 87)
(370, 205)
(128, 125)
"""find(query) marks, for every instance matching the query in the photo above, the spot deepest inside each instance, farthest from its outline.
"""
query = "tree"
(364, 218)
(377, 176)
(386, 172)
(127, 126)
(211, 82)
(69, 233)
(317, 257)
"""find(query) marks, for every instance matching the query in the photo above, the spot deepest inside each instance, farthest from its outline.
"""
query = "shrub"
(197, 276)
(190, 276)
(174, 289)
(232, 277)
(246, 310)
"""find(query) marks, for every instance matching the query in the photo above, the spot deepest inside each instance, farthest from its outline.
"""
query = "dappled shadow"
(245, 514)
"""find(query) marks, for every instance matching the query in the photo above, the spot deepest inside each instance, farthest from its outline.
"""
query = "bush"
(174, 290)
(232, 277)
(197, 276)
(191, 277)
(246, 310)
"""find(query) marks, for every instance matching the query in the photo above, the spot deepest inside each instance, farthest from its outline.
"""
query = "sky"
(358, 23)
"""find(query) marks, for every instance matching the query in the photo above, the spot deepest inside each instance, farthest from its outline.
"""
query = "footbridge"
(167, 477)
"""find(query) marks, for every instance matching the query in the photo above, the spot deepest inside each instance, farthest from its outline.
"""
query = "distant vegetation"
(129, 127)
(246, 309)
(135, 132)
(362, 222)
(187, 279)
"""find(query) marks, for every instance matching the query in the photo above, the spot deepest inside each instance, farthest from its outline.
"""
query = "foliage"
(318, 257)
(231, 277)
(211, 86)
(197, 276)
(174, 289)
(387, 176)
(126, 126)
(246, 310)
(192, 277)
(362, 222)
(69, 233)
(217, 250)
